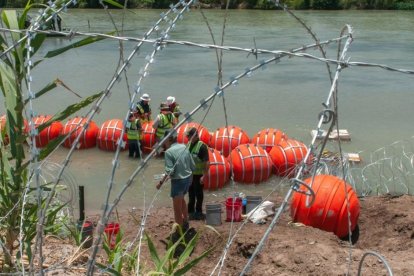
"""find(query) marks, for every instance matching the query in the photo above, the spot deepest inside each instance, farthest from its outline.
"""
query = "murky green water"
(375, 105)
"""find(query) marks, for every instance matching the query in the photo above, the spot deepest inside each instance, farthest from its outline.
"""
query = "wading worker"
(144, 109)
(178, 167)
(133, 130)
(174, 107)
(164, 121)
(199, 153)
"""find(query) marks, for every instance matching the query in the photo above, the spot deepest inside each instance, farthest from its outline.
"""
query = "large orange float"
(3, 121)
(268, 138)
(286, 156)
(201, 130)
(329, 211)
(148, 137)
(49, 133)
(88, 138)
(109, 134)
(219, 172)
(226, 139)
(250, 164)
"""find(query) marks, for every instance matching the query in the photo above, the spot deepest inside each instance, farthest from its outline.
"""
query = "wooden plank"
(353, 157)
(343, 134)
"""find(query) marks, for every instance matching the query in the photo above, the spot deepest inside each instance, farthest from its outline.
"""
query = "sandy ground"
(386, 227)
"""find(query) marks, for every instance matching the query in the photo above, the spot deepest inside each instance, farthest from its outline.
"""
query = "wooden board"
(343, 134)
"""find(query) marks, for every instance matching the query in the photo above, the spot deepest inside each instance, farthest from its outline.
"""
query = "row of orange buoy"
(232, 151)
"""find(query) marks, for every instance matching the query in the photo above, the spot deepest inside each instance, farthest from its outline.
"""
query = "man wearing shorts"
(179, 166)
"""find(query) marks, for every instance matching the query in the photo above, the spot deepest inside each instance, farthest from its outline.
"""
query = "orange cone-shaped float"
(268, 138)
(250, 164)
(148, 137)
(226, 139)
(202, 133)
(88, 138)
(49, 133)
(219, 171)
(329, 211)
(109, 135)
(286, 156)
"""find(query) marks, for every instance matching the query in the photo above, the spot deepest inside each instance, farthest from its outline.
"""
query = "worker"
(144, 109)
(199, 153)
(133, 130)
(174, 107)
(164, 121)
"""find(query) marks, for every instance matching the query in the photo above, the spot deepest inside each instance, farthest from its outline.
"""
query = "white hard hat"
(170, 100)
(145, 97)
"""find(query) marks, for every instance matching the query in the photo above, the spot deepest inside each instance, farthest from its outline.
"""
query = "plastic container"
(213, 214)
(86, 228)
(233, 209)
(111, 230)
(252, 202)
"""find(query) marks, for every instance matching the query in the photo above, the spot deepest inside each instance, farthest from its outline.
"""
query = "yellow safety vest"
(200, 165)
(133, 133)
(165, 122)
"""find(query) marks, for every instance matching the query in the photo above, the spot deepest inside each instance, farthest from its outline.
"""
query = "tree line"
(243, 4)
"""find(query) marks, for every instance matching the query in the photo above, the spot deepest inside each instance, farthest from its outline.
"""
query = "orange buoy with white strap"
(3, 121)
(286, 156)
(148, 137)
(329, 211)
(203, 133)
(109, 134)
(88, 138)
(250, 164)
(219, 172)
(226, 139)
(49, 133)
(268, 138)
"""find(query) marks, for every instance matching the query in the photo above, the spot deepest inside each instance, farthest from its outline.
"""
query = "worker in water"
(174, 107)
(163, 122)
(199, 153)
(133, 130)
(144, 109)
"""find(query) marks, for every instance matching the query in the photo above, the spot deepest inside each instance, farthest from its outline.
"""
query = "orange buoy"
(286, 156)
(329, 211)
(250, 164)
(219, 172)
(3, 121)
(202, 133)
(49, 133)
(88, 138)
(268, 138)
(109, 134)
(226, 139)
(148, 137)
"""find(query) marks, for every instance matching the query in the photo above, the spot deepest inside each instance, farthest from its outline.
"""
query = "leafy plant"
(17, 194)
(168, 264)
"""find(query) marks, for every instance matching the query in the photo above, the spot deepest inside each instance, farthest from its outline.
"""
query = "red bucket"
(233, 209)
(111, 230)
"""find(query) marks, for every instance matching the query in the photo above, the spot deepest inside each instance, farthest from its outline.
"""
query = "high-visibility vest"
(133, 133)
(145, 117)
(165, 122)
(200, 165)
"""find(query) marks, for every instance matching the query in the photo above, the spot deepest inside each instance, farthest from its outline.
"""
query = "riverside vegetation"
(245, 4)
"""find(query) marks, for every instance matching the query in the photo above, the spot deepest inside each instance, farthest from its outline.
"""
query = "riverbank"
(386, 227)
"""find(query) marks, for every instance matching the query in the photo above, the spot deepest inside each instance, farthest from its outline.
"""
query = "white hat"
(170, 100)
(145, 97)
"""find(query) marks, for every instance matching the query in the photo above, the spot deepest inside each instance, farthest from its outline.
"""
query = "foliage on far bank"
(244, 4)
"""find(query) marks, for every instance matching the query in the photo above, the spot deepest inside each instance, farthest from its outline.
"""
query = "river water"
(375, 105)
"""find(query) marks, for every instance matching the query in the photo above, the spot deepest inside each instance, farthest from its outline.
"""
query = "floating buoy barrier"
(148, 137)
(109, 134)
(88, 138)
(203, 133)
(3, 121)
(268, 138)
(329, 211)
(219, 172)
(226, 139)
(49, 133)
(286, 156)
(250, 164)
